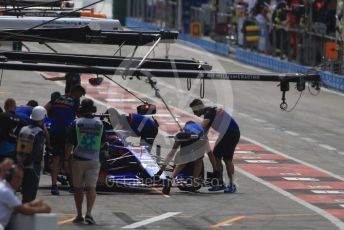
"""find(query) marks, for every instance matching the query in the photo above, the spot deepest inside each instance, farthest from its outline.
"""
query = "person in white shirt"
(10, 203)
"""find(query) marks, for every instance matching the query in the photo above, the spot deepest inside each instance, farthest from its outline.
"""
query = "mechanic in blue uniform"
(62, 113)
(10, 125)
(25, 111)
(30, 147)
(229, 136)
(84, 138)
(191, 150)
(145, 127)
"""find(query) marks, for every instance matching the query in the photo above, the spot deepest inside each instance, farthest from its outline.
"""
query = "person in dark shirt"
(72, 79)
(62, 113)
(10, 125)
(229, 135)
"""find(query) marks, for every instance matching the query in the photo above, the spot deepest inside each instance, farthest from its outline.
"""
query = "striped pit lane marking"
(268, 174)
(151, 220)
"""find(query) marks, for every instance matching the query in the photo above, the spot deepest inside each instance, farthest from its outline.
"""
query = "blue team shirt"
(194, 128)
(140, 122)
(24, 113)
(63, 112)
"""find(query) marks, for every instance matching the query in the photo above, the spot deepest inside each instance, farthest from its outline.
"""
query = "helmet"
(38, 113)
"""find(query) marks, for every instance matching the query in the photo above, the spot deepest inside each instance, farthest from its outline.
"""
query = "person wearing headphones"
(10, 203)
(84, 138)
(142, 126)
(30, 148)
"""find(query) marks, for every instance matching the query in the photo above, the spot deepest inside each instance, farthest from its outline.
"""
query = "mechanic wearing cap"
(192, 149)
(62, 112)
(72, 79)
(30, 148)
(11, 124)
(84, 138)
(229, 136)
(142, 126)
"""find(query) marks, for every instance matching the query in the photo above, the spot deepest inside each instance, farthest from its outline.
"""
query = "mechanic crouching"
(84, 139)
(192, 149)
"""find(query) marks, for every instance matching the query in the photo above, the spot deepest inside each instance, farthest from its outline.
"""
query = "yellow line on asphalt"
(69, 220)
(232, 220)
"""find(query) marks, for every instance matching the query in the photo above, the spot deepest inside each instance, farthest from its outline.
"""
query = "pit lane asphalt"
(256, 107)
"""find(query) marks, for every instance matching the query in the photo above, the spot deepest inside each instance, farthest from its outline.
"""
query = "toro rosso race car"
(129, 166)
(124, 165)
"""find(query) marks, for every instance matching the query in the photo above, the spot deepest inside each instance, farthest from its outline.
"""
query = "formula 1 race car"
(124, 165)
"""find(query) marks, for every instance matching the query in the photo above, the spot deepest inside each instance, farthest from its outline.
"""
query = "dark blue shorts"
(225, 146)
(58, 143)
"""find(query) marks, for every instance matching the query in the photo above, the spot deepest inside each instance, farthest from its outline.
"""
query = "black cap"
(87, 106)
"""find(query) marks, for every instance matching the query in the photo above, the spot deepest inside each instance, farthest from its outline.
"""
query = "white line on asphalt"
(341, 153)
(152, 220)
(259, 120)
(300, 179)
(308, 139)
(121, 100)
(328, 191)
(330, 148)
(341, 205)
(269, 128)
(292, 133)
(109, 93)
(243, 114)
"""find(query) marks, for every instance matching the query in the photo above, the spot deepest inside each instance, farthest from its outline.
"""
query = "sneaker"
(78, 220)
(230, 189)
(55, 190)
(217, 188)
(193, 188)
(71, 189)
(89, 219)
(167, 187)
